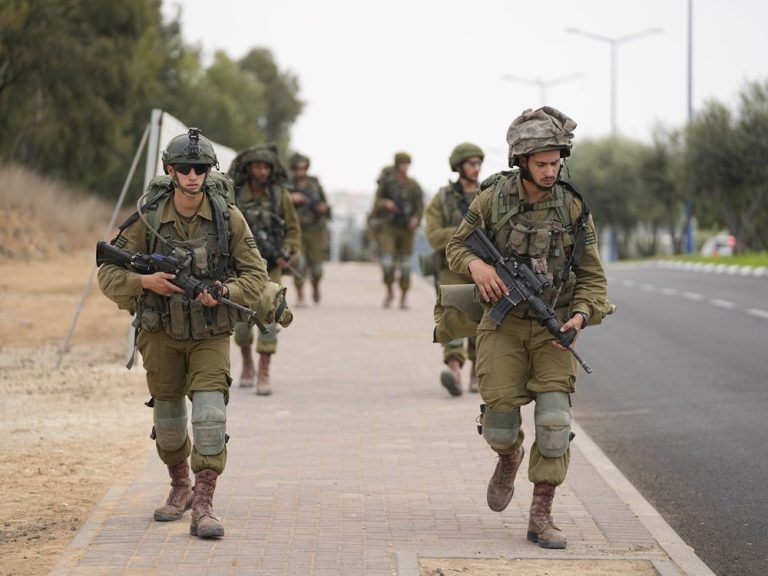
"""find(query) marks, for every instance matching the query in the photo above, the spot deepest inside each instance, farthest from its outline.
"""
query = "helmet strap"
(526, 175)
(187, 191)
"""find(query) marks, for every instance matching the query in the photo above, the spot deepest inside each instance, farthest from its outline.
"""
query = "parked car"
(722, 244)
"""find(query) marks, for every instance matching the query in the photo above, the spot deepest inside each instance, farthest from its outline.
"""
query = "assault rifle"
(523, 285)
(270, 253)
(106, 253)
(404, 210)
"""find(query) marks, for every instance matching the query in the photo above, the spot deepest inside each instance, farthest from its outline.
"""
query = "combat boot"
(450, 378)
(246, 376)
(300, 296)
(315, 290)
(501, 487)
(389, 297)
(263, 387)
(473, 383)
(204, 523)
(541, 528)
(180, 498)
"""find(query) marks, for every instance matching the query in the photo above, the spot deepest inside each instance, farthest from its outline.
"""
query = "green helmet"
(268, 153)
(402, 158)
(538, 131)
(297, 158)
(190, 148)
(464, 152)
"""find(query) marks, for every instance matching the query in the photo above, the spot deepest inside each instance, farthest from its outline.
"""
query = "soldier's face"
(544, 167)
(300, 170)
(402, 168)
(470, 168)
(260, 171)
(191, 180)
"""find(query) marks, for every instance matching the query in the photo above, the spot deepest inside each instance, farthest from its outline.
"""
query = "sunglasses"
(187, 168)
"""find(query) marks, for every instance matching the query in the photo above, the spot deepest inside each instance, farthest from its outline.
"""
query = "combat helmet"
(268, 153)
(539, 130)
(190, 148)
(464, 152)
(297, 158)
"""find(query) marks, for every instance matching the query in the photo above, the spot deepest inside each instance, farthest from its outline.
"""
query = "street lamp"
(542, 84)
(613, 42)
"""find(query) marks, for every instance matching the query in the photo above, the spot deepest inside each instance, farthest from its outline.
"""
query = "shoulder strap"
(580, 226)
(501, 214)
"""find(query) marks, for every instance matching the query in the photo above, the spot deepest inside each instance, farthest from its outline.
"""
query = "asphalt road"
(679, 401)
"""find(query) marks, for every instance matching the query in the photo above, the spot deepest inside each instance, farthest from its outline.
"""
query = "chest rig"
(542, 234)
(263, 213)
(454, 203)
(207, 258)
(307, 211)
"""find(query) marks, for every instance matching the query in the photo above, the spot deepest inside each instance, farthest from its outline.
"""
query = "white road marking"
(695, 296)
(758, 313)
(722, 303)
(669, 291)
(648, 287)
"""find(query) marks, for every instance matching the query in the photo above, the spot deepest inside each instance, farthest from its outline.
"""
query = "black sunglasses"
(187, 168)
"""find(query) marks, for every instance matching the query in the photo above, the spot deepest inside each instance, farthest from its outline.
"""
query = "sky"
(424, 75)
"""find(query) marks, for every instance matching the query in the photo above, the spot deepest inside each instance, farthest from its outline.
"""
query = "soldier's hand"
(576, 322)
(160, 283)
(488, 282)
(210, 300)
(282, 263)
(412, 223)
(298, 198)
(322, 208)
(391, 205)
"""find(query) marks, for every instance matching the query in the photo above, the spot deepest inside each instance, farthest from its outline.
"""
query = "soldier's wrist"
(584, 316)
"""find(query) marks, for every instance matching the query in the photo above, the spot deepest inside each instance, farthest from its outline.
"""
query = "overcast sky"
(424, 75)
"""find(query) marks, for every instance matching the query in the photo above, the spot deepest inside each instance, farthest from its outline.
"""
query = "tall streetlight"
(541, 83)
(614, 42)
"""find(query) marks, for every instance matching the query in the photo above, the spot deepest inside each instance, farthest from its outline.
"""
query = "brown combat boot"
(263, 387)
(541, 528)
(204, 523)
(246, 376)
(315, 290)
(450, 378)
(180, 498)
(501, 487)
(473, 383)
(389, 297)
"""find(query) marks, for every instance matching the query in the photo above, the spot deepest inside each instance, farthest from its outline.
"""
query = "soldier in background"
(443, 216)
(398, 208)
(538, 219)
(314, 212)
(185, 343)
(265, 201)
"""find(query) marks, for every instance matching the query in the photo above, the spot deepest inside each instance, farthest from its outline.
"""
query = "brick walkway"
(361, 463)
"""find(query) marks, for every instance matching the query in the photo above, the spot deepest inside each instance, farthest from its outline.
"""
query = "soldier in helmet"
(265, 201)
(535, 216)
(314, 211)
(443, 216)
(399, 205)
(185, 343)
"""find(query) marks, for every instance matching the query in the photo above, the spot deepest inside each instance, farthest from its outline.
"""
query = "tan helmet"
(464, 152)
(402, 158)
(539, 130)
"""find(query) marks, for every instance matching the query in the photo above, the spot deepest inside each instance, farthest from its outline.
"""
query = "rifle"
(106, 253)
(523, 285)
(404, 209)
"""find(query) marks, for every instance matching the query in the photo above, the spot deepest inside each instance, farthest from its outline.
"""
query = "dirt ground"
(66, 435)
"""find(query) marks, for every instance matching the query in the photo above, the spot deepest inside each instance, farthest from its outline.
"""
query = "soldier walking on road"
(266, 203)
(443, 216)
(185, 343)
(314, 212)
(535, 217)
(399, 205)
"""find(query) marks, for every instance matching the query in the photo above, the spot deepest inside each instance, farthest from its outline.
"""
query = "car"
(722, 244)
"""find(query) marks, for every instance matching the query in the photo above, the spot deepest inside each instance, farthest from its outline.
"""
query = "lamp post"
(613, 43)
(541, 83)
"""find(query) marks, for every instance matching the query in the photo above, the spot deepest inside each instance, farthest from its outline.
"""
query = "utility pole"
(541, 83)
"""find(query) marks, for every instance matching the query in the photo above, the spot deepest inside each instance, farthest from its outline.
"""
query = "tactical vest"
(403, 194)
(307, 211)
(264, 215)
(541, 234)
(454, 203)
(180, 317)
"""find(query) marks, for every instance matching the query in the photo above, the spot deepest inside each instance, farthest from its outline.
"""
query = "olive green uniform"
(516, 361)
(314, 230)
(442, 218)
(275, 226)
(184, 353)
(395, 240)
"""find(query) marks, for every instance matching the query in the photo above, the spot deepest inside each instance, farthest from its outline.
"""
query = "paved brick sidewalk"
(360, 463)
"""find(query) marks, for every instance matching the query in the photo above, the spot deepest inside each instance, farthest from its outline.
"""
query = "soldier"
(266, 203)
(443, 216)
(399, 204)
(185, 344)
(313, 210)
(536, 217)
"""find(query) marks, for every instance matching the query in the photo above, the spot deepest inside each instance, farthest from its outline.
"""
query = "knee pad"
(500, 429)
(209, 420)
(170, 419)
(405, 265)
(552, 416)
(243, 334)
